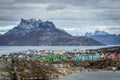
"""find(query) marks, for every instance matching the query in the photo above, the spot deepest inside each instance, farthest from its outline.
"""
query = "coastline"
(15, 49)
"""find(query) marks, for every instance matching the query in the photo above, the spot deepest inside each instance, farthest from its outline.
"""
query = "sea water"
(12, 49)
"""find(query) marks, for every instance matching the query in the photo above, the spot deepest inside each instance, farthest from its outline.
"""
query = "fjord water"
(100, 75)
(12, 49)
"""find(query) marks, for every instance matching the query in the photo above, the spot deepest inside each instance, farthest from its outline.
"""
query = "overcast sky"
(74, 16)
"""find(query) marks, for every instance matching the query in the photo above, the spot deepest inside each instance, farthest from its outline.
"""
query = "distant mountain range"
(104, 37)
(34, 32)
(97, 32)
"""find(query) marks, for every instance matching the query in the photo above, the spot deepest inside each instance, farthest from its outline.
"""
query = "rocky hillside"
(104, 37)
(34, 32)
(13, 68)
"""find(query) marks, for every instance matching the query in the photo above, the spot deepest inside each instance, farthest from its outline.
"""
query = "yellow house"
(102, 55)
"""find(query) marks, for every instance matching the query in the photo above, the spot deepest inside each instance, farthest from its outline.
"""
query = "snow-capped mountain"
(104, 37)
(37, 32)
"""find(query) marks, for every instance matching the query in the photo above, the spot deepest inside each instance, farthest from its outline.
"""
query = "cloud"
(56, 7)
(64, 13)
(3, 30)
(82, 9)
(87, 3)
(114, 28)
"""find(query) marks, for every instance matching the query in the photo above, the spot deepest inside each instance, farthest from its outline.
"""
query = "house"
(31, 56)
(112, 56)
(102, 55)
(106, 56)
(23, 54)
(43, 58)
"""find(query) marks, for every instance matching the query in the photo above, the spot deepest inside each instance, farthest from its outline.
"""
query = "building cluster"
(77, 55)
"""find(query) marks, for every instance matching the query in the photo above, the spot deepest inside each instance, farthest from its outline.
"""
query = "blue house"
(31, 56)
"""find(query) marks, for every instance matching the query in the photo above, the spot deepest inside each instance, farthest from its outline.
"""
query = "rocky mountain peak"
(46, 24)
(31, 24)
(29, 21)
(36, 23)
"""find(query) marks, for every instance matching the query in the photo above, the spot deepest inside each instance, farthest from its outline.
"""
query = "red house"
(112, 56)
(106, 56)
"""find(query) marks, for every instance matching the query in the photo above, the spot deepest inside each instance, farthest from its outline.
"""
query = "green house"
(43, 58)
(62, 56)
(52, 58)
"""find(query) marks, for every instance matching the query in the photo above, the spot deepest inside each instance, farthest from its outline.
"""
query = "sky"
(74, 16)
